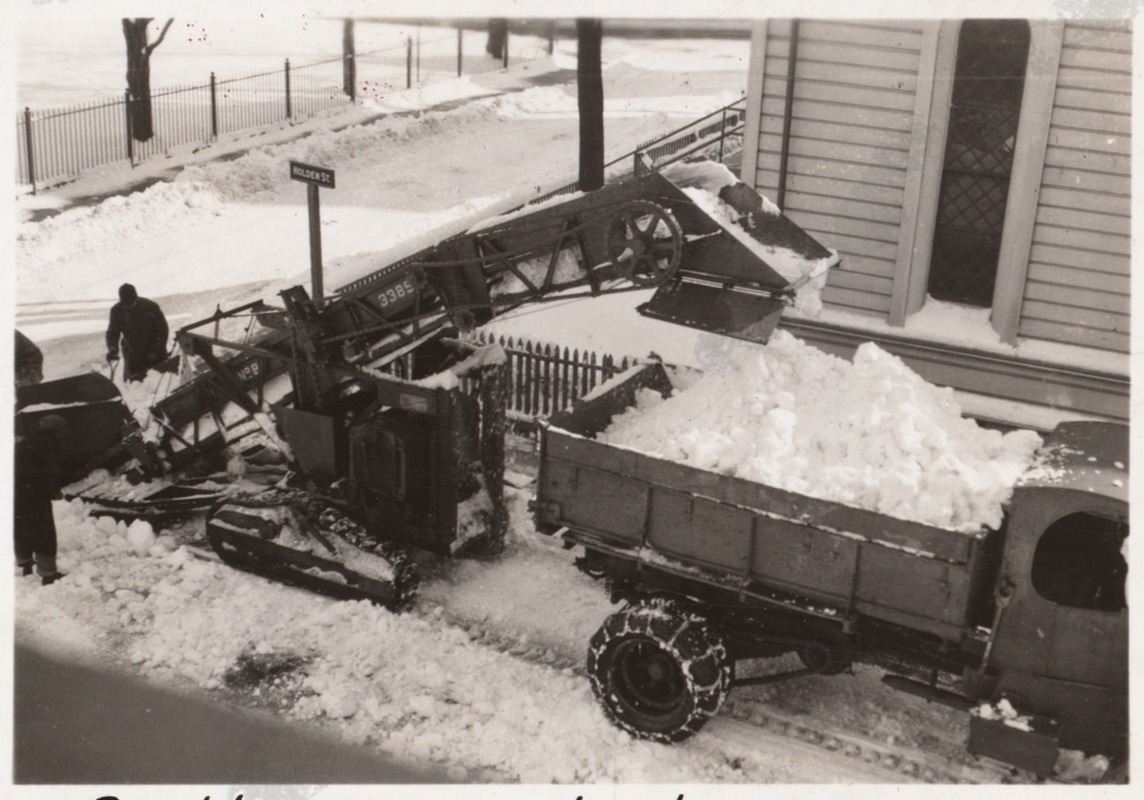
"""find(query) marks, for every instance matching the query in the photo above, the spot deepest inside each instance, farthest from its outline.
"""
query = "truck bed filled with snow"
(869, 433)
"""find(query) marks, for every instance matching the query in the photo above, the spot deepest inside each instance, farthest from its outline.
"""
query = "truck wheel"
(825, 658)
(659, 673)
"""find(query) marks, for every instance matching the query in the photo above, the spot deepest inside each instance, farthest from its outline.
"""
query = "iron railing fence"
(60, 143)
(716, 136)
(180, 115)
(252, 101)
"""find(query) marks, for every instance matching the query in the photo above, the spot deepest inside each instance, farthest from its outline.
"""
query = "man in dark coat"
(141, 327)
(39, 478)
(29, 361)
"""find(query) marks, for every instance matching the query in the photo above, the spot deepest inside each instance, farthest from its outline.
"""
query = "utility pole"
(590, 95)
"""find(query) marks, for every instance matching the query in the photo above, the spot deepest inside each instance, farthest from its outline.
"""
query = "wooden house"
(981, 165)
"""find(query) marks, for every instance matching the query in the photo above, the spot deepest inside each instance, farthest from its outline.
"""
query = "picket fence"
(545, 379)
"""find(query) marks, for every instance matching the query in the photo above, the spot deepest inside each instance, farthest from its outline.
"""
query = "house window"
(989, 81)
(1079, 562)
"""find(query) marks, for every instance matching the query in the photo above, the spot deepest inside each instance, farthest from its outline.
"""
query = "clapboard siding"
(850, 226)
(1077, 259)
(1105, 34)
(845, 97)
(1091, 58)
(858, 116)
(1080, 180)
(1076, 326)
(1084, 240)
(851, 123)
(1102, 141)
(1074, 219)
(1077, 316)
(1097, 80)
(1109, 123)
(847, 131)
(868, 78)
(1114, 205)
(882, 34)
(858, 154)
(1075, 297)
(1081, 279)
(1081, 99)
(1077, 286)
(875, 304)
(835, 206)
(867, 174)
(869, 250)
(820, 186)
(857, 281)
(1076, 335)
(833, 54)
(1088, 161)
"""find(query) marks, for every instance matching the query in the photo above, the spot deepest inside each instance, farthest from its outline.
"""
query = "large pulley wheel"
(645, 243)
(658, 672)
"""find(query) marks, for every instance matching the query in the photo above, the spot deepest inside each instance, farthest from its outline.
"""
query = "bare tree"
(139, 74)
(590, 96)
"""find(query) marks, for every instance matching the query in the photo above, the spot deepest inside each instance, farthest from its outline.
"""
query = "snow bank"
(871, 433)
(411, 685)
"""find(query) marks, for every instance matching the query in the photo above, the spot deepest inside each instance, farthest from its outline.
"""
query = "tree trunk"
(139, 75)
(498, 35)
(590, 95)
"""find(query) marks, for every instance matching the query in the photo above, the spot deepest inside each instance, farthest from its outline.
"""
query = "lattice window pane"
(988, 84)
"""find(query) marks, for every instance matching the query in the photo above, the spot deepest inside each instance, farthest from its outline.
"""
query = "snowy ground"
(483, 677)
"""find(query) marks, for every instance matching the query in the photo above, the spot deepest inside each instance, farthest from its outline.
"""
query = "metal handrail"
(633, 155)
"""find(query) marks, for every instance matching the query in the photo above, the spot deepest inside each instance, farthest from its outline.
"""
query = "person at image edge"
(39, 478)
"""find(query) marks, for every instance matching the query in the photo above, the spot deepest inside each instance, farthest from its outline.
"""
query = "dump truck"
(1025, 627)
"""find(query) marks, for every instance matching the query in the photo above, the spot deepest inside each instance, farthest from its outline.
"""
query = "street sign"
(316, 177)
(308, 173)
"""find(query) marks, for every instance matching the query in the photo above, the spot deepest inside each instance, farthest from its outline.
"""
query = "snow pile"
(115, 225)
(871, 433)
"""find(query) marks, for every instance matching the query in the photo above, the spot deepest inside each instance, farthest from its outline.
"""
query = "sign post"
(314, 178)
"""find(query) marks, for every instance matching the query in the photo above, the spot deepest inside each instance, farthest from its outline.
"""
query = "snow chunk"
(1074, 767)
(141, 536)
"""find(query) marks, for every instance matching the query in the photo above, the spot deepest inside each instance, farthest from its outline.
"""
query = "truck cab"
(1059, 641)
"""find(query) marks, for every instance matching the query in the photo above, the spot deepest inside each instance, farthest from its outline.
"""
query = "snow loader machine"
(391, 422)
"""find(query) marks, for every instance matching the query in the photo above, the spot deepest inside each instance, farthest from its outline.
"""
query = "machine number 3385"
(401, 290)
